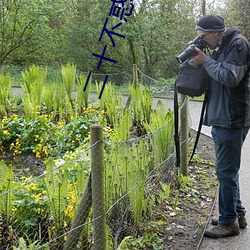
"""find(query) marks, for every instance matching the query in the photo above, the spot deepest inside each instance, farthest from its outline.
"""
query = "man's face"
(211, 38)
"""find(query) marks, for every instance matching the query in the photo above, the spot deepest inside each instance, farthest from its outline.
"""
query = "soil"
(186, 223)
(25, 164)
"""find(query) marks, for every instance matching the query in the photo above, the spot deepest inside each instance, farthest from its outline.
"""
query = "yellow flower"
(73, 199)
(14, 209)
(69, 211)
(45, 151)
(37, 196)
(38, 156)
(31, 187)
(6, 132)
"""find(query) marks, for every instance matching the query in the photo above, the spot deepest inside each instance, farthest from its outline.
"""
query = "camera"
(190, 51)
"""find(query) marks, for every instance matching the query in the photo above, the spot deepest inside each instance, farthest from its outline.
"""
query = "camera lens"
(187, 53)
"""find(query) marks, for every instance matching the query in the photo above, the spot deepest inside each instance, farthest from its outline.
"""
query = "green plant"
(5, 90)
(6, 196)
(34, 81)
(147, 241)
(161, 128)
(184, 181)
(28, 244)
(30, 207)
(126, 172)
(141, 103)
(44, 137)
(68, 74)
(176, 199)
(82, 97)
(164, 191)
(48, 98)
(123, 124)
(114, 107)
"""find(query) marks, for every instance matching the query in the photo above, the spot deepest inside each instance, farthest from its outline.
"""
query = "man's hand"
(200, 58)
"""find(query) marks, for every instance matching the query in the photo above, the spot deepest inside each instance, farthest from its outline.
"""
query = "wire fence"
(42, 209)
(160, 87)
(55, 210)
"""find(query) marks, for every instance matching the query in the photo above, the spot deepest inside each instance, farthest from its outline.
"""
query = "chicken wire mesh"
(44, 211)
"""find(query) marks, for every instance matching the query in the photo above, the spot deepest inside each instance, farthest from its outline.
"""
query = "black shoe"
(221, 231)
(241, 219)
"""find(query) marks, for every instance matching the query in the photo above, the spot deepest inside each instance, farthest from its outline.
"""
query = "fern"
(68, 74)
(56, 185)
(6, 184)
(82, 98)
(33, 85)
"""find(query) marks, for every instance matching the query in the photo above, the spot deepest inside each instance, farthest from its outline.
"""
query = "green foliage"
(5, 90)
(30, 245)
(23, 28)
(128, 161)
(6, 184)
(147, 241)
(68, 73)
(164, 192)
(114, 108)
(126, 172)
(82, 99)
(48, 98)
(43, 137)
(123, 124)
(141, 103)
(30, 206)
(57, 188)
(34, 81)
(161, 126)
(43, 32)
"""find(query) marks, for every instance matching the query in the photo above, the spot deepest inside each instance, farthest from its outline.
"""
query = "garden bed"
(178, 222)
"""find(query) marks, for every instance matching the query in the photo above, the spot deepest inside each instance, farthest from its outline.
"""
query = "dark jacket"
(228, 103)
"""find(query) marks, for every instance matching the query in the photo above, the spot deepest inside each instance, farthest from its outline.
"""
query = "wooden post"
(184, 135)
(98, 195)
(80, 218)
(135, 81)
(135, 74)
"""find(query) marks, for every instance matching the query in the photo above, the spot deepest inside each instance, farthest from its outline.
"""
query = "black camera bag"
(192, 79)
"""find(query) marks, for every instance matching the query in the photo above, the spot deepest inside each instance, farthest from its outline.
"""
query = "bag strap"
(176, 126)
(199, 127)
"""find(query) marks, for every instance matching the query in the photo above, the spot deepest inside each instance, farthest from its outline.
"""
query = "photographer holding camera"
(228, 112)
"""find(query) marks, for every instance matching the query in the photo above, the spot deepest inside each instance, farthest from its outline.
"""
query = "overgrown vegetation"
(57, 32)
(54, 125)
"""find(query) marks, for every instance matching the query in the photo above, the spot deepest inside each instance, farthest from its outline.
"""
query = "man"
(228, 112)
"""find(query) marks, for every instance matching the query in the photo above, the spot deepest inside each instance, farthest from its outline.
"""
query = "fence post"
(135, 81)
(80, 218)
(135, 74)
(184, 135)
(98, 195)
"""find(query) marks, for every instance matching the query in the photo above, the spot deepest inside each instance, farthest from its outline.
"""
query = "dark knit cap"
(211, 23)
